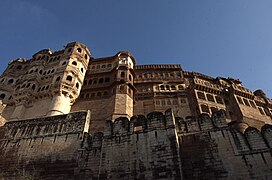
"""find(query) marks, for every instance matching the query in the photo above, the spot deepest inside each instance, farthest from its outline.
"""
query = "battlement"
(158, 66)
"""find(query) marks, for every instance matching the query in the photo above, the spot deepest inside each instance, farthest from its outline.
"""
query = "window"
(219, 100)
(246, 102)
(103, 66)
(2, 96)
(99, 94)
(261, 110)
(82, 70)
(69, 78)
(85, 82)
(58, 79)
(77, 85)
(79, 50)
(182, 101)
(10, 81)
(162, 87)
(33, 87)
(240, 100)
(122, 74)
(205, 108)
(109, 65)
(70, 49)
(129, 77)
(167, 87)
(74, 63)
(107, 79)
(180, 87)
(201, 95)
(90, 82)
(173, 87)
(252, 104)
(213, 109)
(210, 97)
(86, 57)
(101, 80)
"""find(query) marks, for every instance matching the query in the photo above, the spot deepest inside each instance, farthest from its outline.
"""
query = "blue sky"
(230, 38)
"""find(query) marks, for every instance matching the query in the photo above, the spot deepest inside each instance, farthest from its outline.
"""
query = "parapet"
(153, 121)
(158, 66)
(202, 122)
(48, 126)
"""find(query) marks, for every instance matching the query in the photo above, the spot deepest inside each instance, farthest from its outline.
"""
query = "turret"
(124, 88)
(68, 80)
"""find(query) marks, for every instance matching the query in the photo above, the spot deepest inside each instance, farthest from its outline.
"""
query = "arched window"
(90, 82)
(77, 85)
(2, 96)
(53, 71)
(122, 88)
(109, 65)
(173, 87)
(107, 79)
(129, 77)
(85, 82)
(180, 87)
(167, 87)
(168, 102)
(74, 63)
(79, 50)
(58, 79)
(64, 63)
(122, 74)
(101, 80)
(10, 81)
(69, 78)
(99, 94)
(105, 93)
(201, 95)
(86, 57)
(162, 87)
(87, 95)
(82, 70)
(103, 66)
(33, 87)
(41, 72)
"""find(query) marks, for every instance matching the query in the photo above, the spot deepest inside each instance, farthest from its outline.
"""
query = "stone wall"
(46, 148)
(211, 149)
(142, 148)
(158, 146)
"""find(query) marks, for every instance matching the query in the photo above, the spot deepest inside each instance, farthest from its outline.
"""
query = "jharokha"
(67, 115)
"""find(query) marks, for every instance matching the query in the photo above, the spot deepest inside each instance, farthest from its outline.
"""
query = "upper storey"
(47, 74)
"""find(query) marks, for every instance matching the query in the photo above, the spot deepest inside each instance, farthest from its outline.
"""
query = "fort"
(67, 115)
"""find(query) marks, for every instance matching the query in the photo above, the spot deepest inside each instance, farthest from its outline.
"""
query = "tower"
(124, 88)
(68, 80)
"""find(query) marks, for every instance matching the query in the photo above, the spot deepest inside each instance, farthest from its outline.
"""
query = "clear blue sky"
(230, 38)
